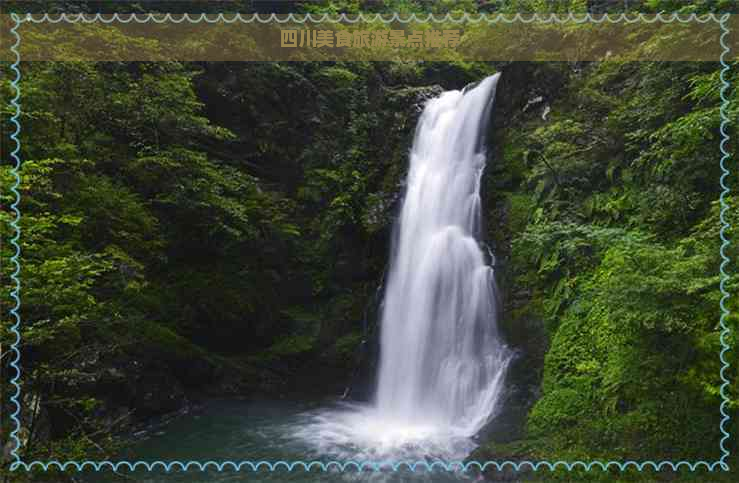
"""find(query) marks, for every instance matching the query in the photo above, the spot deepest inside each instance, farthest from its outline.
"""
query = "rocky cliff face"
(350, 128)
(350, 131)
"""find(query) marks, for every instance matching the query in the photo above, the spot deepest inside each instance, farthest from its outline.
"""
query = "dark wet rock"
(158, 392)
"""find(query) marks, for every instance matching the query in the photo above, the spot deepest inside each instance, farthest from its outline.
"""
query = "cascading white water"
(441, 360)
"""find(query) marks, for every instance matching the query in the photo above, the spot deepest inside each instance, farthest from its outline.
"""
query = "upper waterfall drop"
(441, 360)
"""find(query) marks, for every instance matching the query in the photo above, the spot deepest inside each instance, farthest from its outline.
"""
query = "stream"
(274, 430)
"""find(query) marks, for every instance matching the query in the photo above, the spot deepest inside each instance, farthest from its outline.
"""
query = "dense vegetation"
(222, 228)
(616, 244)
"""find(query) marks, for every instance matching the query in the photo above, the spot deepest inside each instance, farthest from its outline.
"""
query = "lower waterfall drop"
(442, 362)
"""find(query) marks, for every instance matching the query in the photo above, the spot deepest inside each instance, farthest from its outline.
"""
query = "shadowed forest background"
(199, 230)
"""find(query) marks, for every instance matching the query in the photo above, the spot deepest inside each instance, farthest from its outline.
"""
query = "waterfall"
(442, 363)
(441, 359)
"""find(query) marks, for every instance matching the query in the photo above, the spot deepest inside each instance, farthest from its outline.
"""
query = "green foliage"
(119, 188)
(622, 253)
(346, 346)
(172, 211)
(291, 346)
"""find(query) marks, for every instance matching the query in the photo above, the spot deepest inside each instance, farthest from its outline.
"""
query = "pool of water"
(288, 431)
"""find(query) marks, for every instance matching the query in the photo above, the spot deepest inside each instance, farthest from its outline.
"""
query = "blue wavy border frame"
(376, 465)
